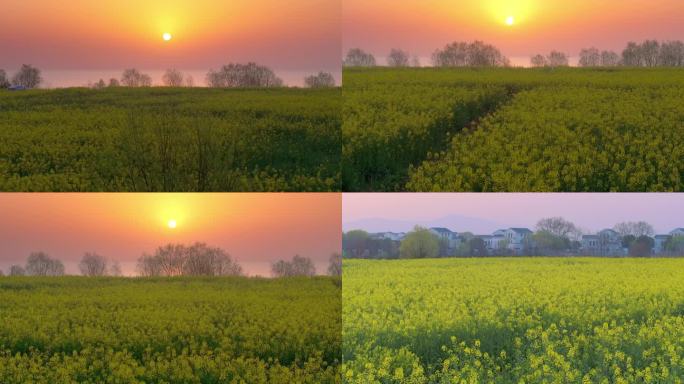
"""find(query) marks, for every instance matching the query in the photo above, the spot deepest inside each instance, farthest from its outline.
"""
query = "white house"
(659, 243)
(499, 232)
(591, 244)
(610, 243)
(395, 236)
(517, 239)
(677, 232)
(445, 234)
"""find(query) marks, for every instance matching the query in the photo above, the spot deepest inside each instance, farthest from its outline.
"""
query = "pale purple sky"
(590, 211)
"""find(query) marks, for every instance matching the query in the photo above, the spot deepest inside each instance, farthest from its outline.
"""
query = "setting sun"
(510, 20)
(172, 224)
(167, 36)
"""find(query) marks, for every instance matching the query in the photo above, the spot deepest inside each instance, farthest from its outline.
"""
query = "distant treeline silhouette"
(649, 53)
(233, 75)
(197, 259)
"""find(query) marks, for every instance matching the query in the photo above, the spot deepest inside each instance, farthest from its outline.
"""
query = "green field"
(513, 320)
(571, 129)
(176, 330)
(166, 139)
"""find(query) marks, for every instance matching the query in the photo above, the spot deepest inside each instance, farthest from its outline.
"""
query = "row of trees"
(303, 266)
(456, 54)
(649, 53)
(38, 264)
(553, 236)
(248, 75)
(27, 77)
(197, 259)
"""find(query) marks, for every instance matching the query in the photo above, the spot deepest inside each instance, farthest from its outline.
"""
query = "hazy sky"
(114, 34)
(421, 26)
(590, 211)
(254, 228)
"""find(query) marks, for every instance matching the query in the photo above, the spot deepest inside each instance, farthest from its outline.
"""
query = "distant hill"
(453, 222)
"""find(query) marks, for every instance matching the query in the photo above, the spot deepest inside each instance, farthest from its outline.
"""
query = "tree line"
(197, 259)
(233, 75)
(554, 236)
(649, 53)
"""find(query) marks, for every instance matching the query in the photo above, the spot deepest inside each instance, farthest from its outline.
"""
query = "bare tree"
(4, 82)
(189, 81)
(485, 55)
(356, 57)
(115, 269)
(559, 227)
(173, 78)
(2, 274)
(557, 59)
(538, 61)
(214, 79)
(17, 270)
(202, 260)
(99, 85)
(133, 78)
(27, 77)
(335, 265)
(113, 83)
(398, 58)
(463, 54)
(40, 264)
(590, 57)
(636, 229)
(250, 75)
(631, 55)
(195, 260)
(453, 55)
(671, 54)
(298, 266)
(609, 59)
(171, 258)
(148, 266)
(320, 80)
(93, 264)
(650, 50)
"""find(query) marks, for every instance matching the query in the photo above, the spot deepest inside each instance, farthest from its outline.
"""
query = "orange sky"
(254, 228)
(113, 34)
(421, 26)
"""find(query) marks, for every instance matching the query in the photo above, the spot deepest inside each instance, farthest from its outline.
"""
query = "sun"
(171, 224)
(167, 36)
(510, 20)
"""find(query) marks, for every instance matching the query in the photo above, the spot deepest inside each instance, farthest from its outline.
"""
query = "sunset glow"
(519, 28)
(256, 229)
(117, 34)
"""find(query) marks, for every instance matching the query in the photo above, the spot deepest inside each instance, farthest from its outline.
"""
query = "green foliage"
(675, 245)
(176, 330)
(170, 139)
(531, 320)
(419, 244)
(358, 244)
(549, 129)
(545, 241)
(392, 122)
